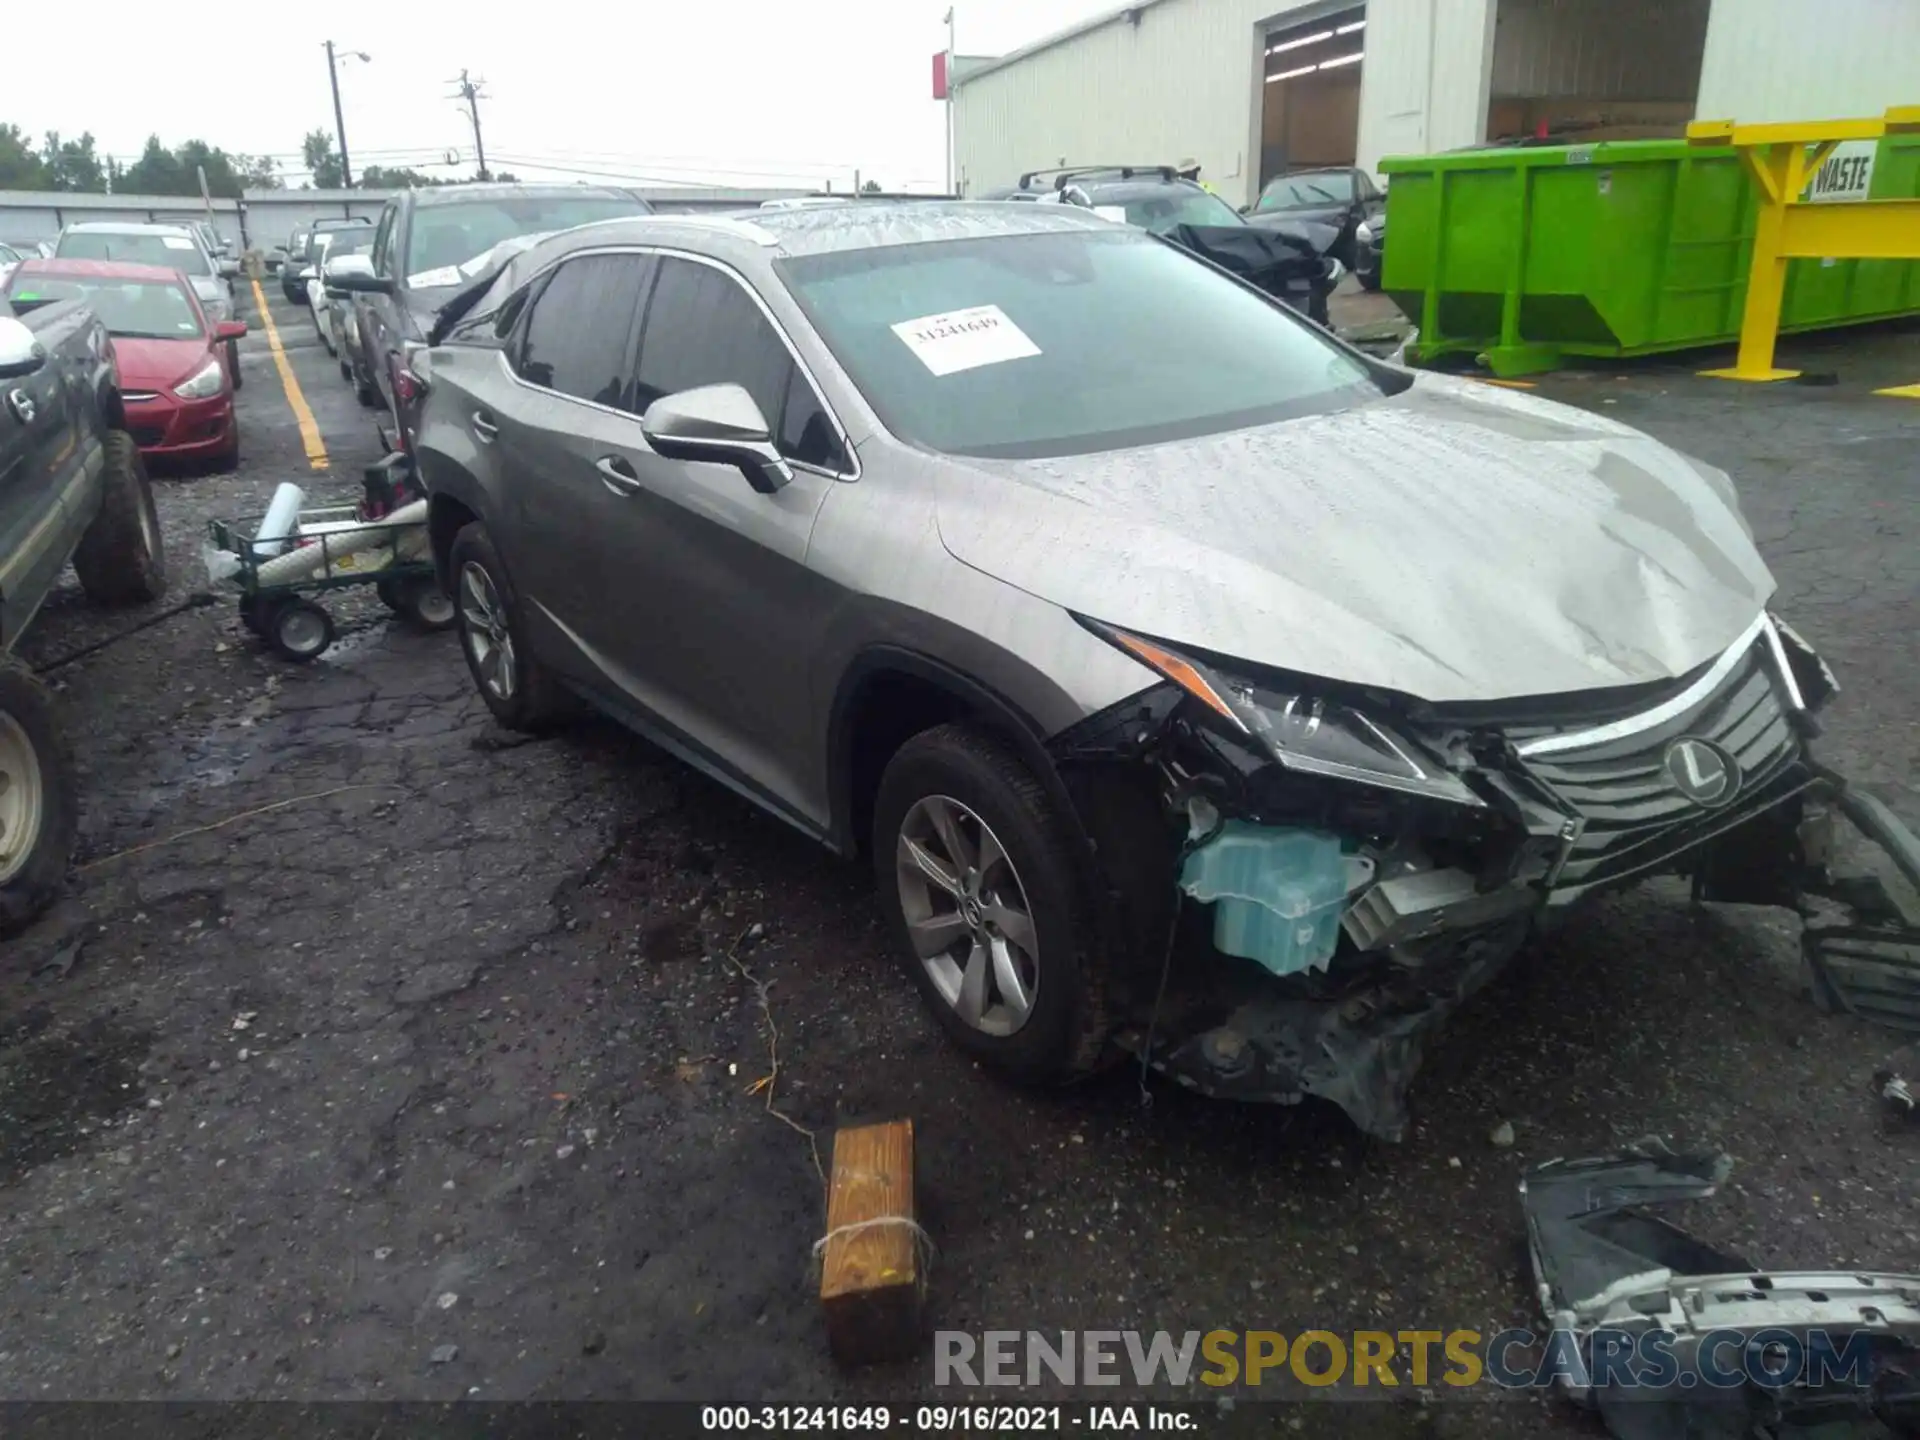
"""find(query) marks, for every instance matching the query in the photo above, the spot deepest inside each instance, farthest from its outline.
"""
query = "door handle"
(617, 475)
(484, 427)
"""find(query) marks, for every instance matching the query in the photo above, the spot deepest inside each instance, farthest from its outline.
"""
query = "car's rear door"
(548, 414)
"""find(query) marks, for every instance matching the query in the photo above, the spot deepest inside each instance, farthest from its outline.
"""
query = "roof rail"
(1065, 174)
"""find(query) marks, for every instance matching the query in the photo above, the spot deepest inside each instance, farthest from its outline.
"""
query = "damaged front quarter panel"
(1458, 829)
(1443, 877)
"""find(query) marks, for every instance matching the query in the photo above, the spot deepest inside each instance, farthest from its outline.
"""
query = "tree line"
(76, 166)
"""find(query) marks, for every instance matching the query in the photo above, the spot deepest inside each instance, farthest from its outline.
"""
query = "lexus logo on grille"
(1702, 771)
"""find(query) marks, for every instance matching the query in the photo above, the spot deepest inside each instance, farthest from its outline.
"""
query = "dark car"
(71, 488)
(1289, 262)
(430, 245)
(290, 266)
(1341, 198)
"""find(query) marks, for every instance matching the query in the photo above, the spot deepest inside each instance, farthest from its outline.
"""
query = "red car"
(170, 358)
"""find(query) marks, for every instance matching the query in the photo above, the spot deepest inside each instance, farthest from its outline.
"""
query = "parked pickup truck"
(72, 487)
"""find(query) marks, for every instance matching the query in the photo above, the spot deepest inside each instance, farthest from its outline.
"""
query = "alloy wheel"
(22, 797)
(484, 627)
(967, 915)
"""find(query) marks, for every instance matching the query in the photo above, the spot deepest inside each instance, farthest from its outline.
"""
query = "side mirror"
(229, 268)
(717, 425)
(361, 282)
(230, 330)
(21, 354)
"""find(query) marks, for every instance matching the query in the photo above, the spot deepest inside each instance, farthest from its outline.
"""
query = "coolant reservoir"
(1277, 893)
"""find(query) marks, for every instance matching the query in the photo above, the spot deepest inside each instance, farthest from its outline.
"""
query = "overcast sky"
(738, 91)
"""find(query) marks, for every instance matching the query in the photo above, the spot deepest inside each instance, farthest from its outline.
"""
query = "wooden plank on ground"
(871, 1282)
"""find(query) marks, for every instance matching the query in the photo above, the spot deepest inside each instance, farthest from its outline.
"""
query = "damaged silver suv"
(1195, 685)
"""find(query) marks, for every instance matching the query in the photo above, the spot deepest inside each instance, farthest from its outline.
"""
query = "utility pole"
(469, 91)
(949, 98)
(339, 121)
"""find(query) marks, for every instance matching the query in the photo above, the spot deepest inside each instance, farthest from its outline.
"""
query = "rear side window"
(703, 328)
(578, 338)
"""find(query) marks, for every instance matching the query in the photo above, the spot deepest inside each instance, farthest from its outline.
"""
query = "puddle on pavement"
(58, 1087)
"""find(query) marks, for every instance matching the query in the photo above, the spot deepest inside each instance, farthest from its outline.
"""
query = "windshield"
(444, 237)
(131, 309)
(1162, 213)
(141, 247)
(1021, 346)
(1307, 192)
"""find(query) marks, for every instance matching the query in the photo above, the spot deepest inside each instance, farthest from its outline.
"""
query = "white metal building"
(1250, 87)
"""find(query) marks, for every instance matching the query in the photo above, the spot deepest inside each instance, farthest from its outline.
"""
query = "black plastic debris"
(1676, 1338)
(1869, 964)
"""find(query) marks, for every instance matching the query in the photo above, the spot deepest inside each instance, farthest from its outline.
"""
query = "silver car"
(1194, 684)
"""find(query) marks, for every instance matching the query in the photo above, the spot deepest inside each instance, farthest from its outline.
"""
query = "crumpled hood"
(1455, 542)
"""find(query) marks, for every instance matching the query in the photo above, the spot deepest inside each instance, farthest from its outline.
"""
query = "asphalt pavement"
(403, 1058)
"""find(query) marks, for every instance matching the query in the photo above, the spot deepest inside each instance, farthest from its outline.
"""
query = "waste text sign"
(1847, 174)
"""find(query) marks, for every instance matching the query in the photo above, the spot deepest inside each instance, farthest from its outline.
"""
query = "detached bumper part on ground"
(1418, 847)
(1602, 1264)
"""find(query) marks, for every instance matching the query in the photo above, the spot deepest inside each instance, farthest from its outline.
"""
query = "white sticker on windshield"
(176, 242)
(1111, 212)
(430, 279)
(965, 339)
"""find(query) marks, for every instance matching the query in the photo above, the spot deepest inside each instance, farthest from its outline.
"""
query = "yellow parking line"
(309, 432)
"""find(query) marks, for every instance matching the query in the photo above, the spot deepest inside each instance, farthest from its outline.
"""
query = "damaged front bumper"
(1367, 862)
(1665, 1324)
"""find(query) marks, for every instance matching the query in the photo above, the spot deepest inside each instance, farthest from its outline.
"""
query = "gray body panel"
(50, 465)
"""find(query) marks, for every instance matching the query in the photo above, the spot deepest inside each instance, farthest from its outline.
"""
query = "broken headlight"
(1306, 732)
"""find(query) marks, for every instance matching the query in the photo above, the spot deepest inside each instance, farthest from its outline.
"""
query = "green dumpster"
(1525, 256)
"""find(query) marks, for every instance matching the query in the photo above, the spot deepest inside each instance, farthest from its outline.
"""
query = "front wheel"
(233, 363)
(121, 560)
(520, 691)
(39, 798)
(976, 875)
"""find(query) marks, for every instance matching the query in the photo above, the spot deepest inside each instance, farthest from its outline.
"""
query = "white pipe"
(283, 512)
(337, 549)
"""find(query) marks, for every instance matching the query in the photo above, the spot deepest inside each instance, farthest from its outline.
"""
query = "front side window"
(1064, 343)
(138, 247)
(703, 328)
(579, 334)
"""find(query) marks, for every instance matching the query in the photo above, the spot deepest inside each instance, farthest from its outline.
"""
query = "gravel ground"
(433, 1081)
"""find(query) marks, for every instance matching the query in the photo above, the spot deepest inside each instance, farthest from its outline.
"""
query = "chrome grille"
(1636, 817)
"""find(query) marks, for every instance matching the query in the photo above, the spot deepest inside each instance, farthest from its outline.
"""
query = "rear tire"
(520, 691)
(39, 798)
(368, 394)
(999, 806)
(122, 560)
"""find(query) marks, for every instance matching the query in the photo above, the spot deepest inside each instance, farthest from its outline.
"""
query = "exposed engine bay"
(1350, 866)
